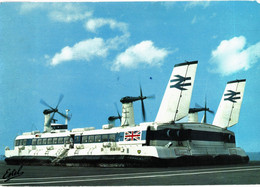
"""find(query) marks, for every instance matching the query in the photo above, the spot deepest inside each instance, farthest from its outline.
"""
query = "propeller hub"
(129, 99)
(47, 111)
(112, 118)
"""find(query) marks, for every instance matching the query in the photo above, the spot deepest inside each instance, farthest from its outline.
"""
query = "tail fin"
(176, 100)
(229, 108)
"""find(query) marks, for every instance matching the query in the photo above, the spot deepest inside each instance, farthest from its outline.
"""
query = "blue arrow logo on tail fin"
(231, 96)
(180, 82)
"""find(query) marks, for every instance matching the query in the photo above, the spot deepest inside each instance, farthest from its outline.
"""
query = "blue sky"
(96, 53)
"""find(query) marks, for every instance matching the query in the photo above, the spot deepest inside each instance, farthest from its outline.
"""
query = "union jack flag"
(132, 135)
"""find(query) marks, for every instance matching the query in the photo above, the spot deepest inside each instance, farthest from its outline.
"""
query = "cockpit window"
(17, 142)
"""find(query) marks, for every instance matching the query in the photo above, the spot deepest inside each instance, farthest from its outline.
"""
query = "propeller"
(129, 99)
(205, 109)
(142, 98)
(53, 110)
(142, 103)
(112, 118)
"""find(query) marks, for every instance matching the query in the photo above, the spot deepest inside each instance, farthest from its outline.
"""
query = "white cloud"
(88, 49)
(117, 41)
(142, 53)
(60, 12)
(168, 4)
(192, 4)
(84, 50)
(231, 56)
(68, 17)
(28, 7)
(68, 13)
(94, 24)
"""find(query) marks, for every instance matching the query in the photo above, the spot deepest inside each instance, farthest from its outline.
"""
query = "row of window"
(62, 140)
(99, 138)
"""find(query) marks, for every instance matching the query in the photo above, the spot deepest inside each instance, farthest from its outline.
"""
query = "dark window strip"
(188, 134)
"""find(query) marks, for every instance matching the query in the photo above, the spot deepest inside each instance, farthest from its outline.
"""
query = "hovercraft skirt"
(128, 161)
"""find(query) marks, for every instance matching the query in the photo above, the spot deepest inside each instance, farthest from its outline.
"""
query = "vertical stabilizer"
(176, 100)
(229, 108)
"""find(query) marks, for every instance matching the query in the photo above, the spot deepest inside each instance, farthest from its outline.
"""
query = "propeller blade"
(142, 103)
(63, 115)
(117, 109)
(60, 99)
(205, 117)
(44, 103)
(119, 116)
(143, 110)
(211, 111)
(141, 92)
(198, 106)
(150, 97)
(50, 119)
(205, 111)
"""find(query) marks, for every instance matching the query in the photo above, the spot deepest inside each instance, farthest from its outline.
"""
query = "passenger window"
(77, 139)
(112, 137)
(44, 141)
(39, 142)
(84, 139)
(55, 140)
(50, 141)
(34, 141)
(67, 140)
(29, 142)
(105, 138)
(60, 140)
(24, 142)
(98, 138)
(91, 139)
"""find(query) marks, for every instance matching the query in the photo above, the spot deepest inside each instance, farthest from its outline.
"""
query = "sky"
(95, 53)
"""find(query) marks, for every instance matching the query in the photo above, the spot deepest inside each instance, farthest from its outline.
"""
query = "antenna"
(67, 116)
